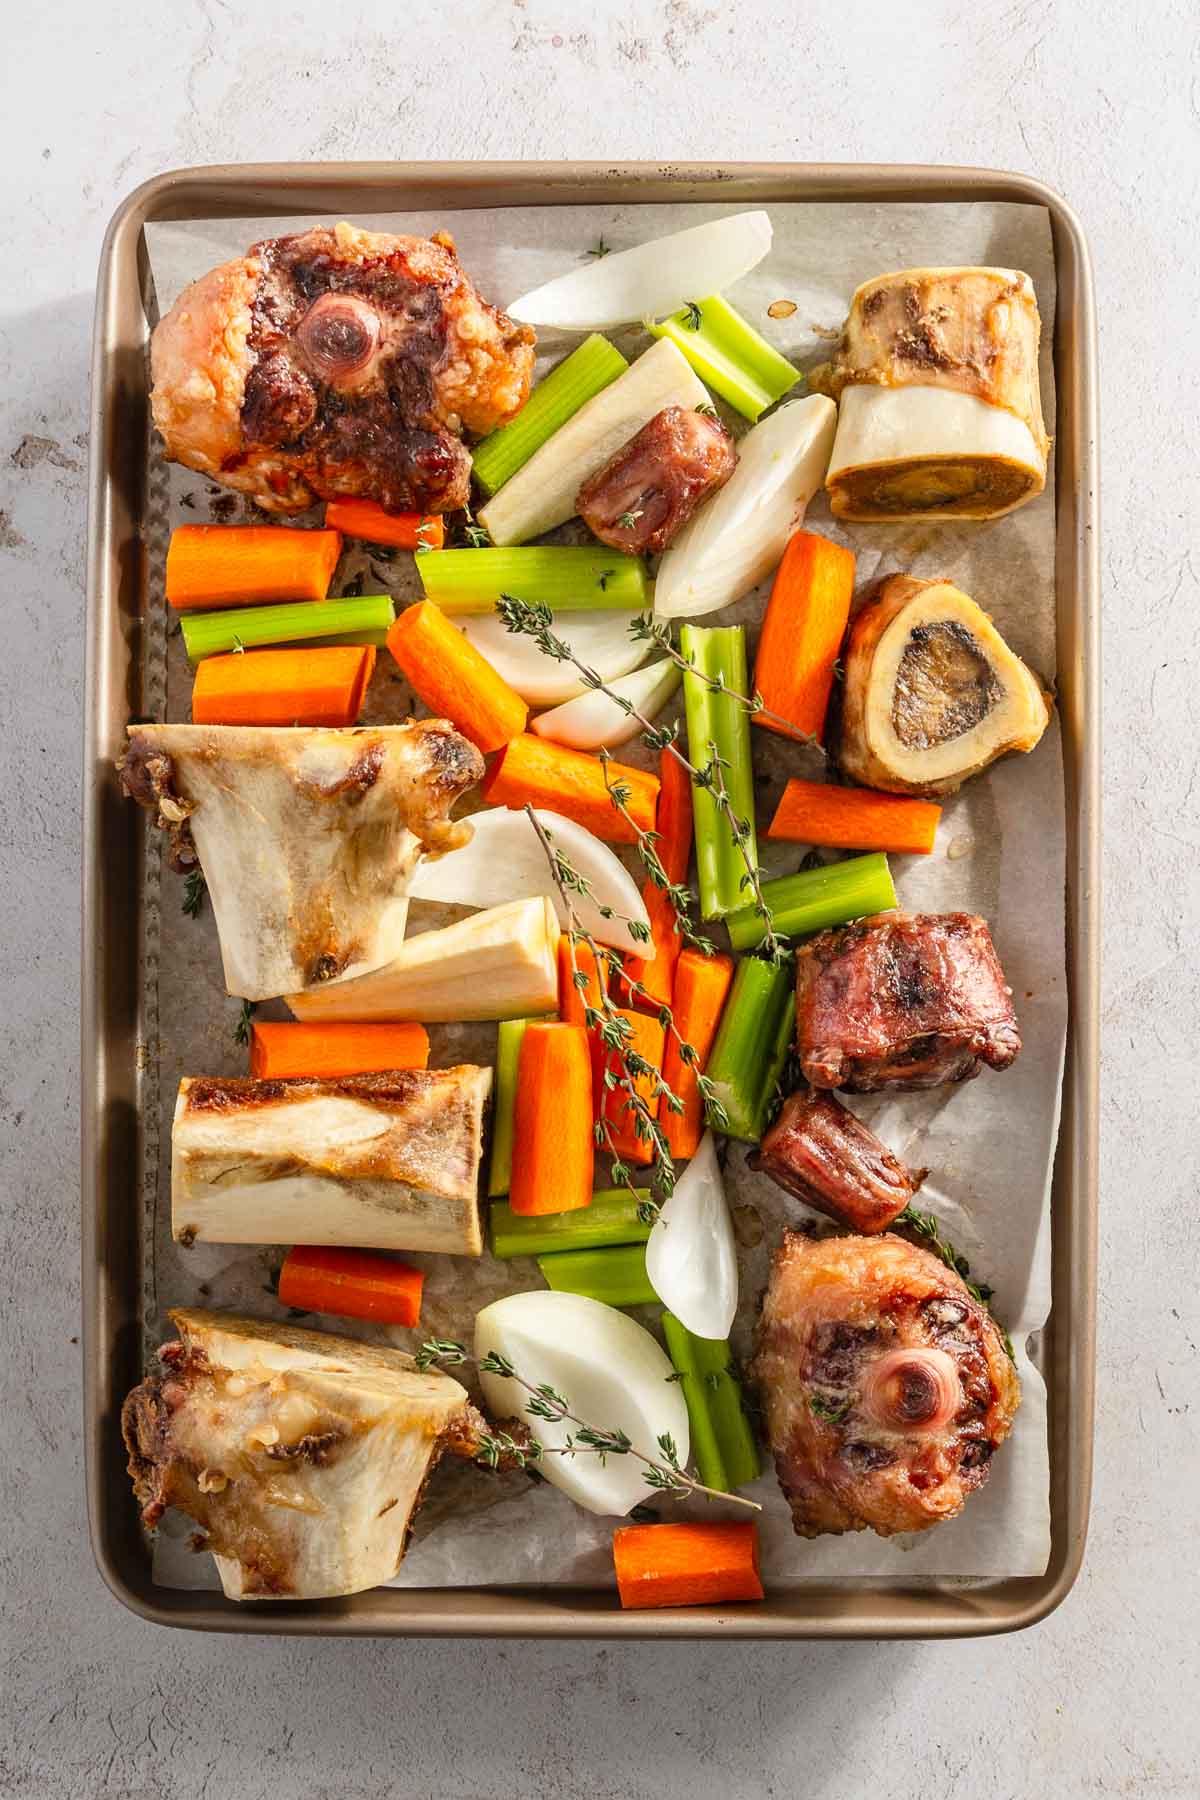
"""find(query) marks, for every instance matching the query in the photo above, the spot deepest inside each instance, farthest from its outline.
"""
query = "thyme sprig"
(598, 249)
(665, 1473)
(691, 315)
(194, 889)
(924, 1225)
(241, 1031)
(536, 621)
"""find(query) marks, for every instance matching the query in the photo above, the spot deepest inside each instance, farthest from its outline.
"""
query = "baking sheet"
(1000, 852)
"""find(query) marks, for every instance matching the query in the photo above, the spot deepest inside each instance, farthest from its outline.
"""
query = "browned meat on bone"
(902, 1001)
(337, 363)
(649, 490)
(820, 1152)
(885, 1384)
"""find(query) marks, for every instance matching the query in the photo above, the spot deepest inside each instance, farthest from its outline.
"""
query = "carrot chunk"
(612, 1103)
(697, 999)
(533, 771)
(802, 633)
(241, 565)
(367, 521)
(842, 818)
(686, 1564)
(355, 1284)
(553, 1149)
(279, 1050)
(283, 687)
(673, 823)
(453, 679)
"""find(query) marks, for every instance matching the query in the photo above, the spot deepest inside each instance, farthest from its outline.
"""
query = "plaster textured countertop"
(1101, 102)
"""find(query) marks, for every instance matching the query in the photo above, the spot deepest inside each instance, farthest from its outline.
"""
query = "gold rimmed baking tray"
(114, 1025)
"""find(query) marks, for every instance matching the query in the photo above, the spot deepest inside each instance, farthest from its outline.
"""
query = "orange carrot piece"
(356, 1284)
(612, 1104)
(453, 679)
(279, 1050)
(243, 565)
(845, 818)
(573, 1001)
(283, 687)
(367, 521)
(534, 771)
(701, 987)
(686, 1564)
(673, 823)
(802, 633)
(553, 1149)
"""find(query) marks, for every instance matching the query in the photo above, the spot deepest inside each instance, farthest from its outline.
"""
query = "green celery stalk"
(777, 1055)
(571, 578)
(817, 899)
(745, 1059)
(618, 1277)
(717, 719)
(722, 1441)
(564, 390)
(289, 622)
(508, 1056)
(727, 353)
(612, 1218)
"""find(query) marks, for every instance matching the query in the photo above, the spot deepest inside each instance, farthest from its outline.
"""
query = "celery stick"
(777, 1055)
(508, 1055)
(567, 578)
(722, 1441)
(816, 899)
(745, 1058)
(553, 401)
(727, 353)
(290, 622)
(717, 719)
(618, 1277)
(612, 1218)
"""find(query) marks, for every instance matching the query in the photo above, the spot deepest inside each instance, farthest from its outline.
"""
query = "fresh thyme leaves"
(691, 316)
(709, 411)
(424, 539)
(825, 1409)
(665, 1473)
(535, 621)
(241, 1031)
(628, 520)
(193, 893)
(925, 1226)
(604, 578)
(239, 649)
(598, 249)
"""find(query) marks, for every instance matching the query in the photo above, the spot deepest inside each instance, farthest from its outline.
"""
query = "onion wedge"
(651, 279)
(735, 541)
(594, 721)
(613, 1376)
(691, 1256)
(600, 639)
(505, 861)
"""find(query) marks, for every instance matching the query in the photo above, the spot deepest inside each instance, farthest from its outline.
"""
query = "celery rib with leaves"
(727, 353)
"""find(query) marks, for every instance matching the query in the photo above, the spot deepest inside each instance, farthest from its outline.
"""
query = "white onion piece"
(600, 639)
(613, 1375)
(739, 536)
(691, 1255)
(596, 722)
(652, 279)
(505, 861)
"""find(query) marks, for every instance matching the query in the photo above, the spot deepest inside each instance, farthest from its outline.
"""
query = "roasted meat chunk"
(337, 362)
(902, 1001)
(885, 1384)
(649, 490)
(307, 837)
(386, 1162)
(819, 1151)
(301, 1456)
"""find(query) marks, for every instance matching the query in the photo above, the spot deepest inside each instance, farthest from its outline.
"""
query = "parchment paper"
(1000, 852)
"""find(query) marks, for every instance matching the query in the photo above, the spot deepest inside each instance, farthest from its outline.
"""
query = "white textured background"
(1101, 101)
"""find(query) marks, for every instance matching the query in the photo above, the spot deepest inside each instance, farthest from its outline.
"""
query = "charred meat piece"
(307, 837)
(385, 1162)
(649, 490)
(885, 1384)
(820, 1152)
(903, 1001)
(301, 1456)
(337, 363)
